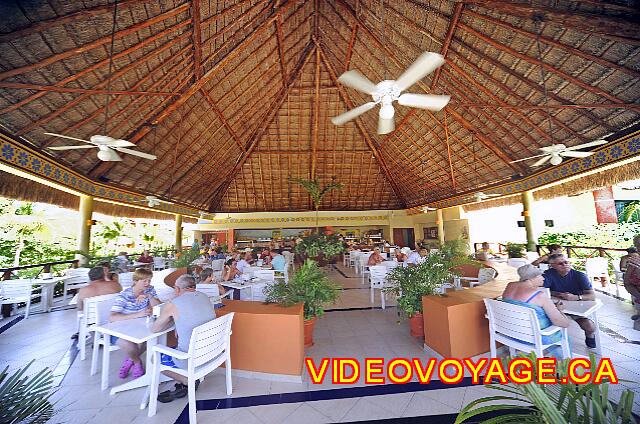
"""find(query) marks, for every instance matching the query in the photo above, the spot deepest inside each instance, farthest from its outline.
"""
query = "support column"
(86, 221)
(440, 223)
(178, 243)
(527, 202)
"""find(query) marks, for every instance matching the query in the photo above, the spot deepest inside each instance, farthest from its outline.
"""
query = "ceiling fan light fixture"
(108, 155)
(387, 111)
(555, 160)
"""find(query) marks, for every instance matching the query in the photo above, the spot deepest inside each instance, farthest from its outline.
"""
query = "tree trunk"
(16, 258)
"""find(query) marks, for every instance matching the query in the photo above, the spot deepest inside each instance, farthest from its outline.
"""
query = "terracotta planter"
(309, 324)
(416, 324)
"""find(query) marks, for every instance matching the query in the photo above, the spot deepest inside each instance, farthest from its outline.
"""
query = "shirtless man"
(98, 286)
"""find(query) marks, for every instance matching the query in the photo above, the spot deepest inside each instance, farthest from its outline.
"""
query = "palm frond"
(26, 398)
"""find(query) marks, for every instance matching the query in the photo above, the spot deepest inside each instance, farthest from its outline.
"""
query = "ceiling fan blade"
(585, 145)
(542, 161)
(357, 81)
(385, 126)
(120, 143)
(570, 154)
(352, 114)
(530, 157)
(136, 153)
(424, 101)
(84, 146)
(66, 136)
(423, 66)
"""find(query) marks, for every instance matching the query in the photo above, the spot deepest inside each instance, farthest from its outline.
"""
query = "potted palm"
(317, 192)
(309, 285)
(320, 247)
(410, 284)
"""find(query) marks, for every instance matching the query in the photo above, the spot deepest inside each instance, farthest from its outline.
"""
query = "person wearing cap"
(527, 292)
(403, 254)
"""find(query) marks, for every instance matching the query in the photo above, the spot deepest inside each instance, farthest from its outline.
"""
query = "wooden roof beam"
(622, 28)
(367, 138)
(623, 106)
(270, 114)
(316, 117)
(280, 41)
(197, 39)
(457, 12)
(535, 61)
(97, 43)
(164, 113)
(35, 87)
(217, 111)
(554, 43)
(352, 41)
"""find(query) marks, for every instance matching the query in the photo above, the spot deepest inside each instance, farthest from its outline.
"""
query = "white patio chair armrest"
(174, 353)
(468, 278)
(227, 294)
(550, 330)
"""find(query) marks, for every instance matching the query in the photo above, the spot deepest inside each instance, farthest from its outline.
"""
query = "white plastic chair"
(257, 291)
(78, 278)
(597, 268)
(353, 256)
(159, 263)
(16, 291)
(484, 276)
(377, 281)
(212, 290)
(518, 327)
(217, 264)
(208, 349)
(265, 274)
(101, 308)
(89, 319)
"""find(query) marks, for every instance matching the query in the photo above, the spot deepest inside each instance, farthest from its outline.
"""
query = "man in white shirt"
(245, 263)
(417, 257)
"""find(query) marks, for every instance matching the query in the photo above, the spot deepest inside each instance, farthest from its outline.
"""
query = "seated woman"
(403, 254)
(265, 255)
(375, 258)
(527, 292)
(230, 270)
(206, 277)
(136, 301)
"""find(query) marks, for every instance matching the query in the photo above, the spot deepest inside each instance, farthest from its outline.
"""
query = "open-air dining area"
(289, 211)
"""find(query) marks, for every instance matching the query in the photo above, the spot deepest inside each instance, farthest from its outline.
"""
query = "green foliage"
(616, 236)
(516, 250)
(25, 399)
(316, 244)
(553, 403)
(411, 283)
(184, 258)
(630, 213)
(454, 249)
(309, 285)
(316, 191)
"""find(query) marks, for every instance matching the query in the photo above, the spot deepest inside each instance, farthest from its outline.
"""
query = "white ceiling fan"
(152, 201)
(428, 209)
(480, 196)
(388, 91)
(107, 145)
(556, 152)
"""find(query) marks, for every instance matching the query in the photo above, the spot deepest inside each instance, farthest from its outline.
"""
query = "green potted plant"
(310, 285)
(516, 250)
(410, 284)
(26, 398)
(320, 247)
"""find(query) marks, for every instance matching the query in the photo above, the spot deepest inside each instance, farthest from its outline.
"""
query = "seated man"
(554, 249)
(278, 261)
(146, 258)
(206, 277)
(569, 284)
(417, 257)
(97, 287)
(375, 258)
(187, 310)
(244, 264)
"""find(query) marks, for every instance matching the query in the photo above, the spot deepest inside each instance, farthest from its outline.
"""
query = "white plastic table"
(137, 330)
(242, 286)
(47, 285)
(585, 309)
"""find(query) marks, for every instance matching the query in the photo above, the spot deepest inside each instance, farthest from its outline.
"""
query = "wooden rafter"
(623, 28)
(270, 114)
(352, 40)
(365, 134)
(217, 111)
(35, 87)
(105, 62)
(280, 41)
(537, 62)
(446, 136)
(621, 106)
(316, 117)
(97, 43)
(197, 38)
(457, 12)
(550, 41)
(164, 113)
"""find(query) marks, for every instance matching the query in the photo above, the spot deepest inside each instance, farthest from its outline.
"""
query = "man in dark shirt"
(569, 284)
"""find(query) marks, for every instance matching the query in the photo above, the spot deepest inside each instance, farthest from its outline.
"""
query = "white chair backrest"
(486, 274)
(596, 266)
(158, 261)
(98, 308)
(378, 275)
(532, 256)
(125, 279)
(264, 274)
(519, 322)
(15, 289)
(217, 264)
(211, 290)
(546, 291)
(209, 340)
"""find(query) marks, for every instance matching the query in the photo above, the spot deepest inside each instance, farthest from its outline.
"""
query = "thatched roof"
(235, 97)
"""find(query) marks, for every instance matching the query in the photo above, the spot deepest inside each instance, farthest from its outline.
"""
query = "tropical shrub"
(516, 250)
(316, 244)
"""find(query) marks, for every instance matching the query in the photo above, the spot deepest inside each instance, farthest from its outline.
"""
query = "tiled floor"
(358, 333)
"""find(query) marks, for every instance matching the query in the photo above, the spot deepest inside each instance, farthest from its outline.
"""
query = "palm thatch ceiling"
(235, 97)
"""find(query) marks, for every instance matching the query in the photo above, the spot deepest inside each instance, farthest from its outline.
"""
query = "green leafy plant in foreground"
(25, 399)
(552, 403)
(184, 258)
(310, 285)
